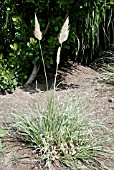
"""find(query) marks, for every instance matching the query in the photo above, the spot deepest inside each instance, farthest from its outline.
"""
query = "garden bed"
(73, 81)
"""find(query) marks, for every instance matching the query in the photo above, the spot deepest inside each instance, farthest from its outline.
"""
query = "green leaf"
(53, 21)
(14, 46)
(56, 28)
(51, 61)
(1, 56)
(30, 1)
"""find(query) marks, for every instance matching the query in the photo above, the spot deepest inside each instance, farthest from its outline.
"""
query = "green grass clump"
(63, 133)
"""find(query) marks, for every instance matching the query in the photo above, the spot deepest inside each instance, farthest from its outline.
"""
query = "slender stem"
(55, 80)
(55, 77)
(44, 66)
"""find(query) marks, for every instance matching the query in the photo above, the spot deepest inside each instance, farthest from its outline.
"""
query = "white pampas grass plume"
(37, 32)
(63, 36)
(58, 55)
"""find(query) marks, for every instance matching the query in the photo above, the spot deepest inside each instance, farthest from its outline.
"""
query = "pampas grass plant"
(62, 133)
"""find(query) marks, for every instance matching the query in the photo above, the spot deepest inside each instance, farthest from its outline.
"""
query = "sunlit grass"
(63, 133)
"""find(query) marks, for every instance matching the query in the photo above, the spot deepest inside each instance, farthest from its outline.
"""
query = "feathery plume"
(58, 55)
(63, 36)
(37, 32)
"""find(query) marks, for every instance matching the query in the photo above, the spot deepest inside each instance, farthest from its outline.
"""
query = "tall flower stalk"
(38, 35)
(63, 36)
(57, 61)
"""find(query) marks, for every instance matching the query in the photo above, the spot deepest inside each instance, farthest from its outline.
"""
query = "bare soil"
(75, 81)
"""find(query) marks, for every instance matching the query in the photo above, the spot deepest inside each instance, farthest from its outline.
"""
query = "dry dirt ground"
(74, 81)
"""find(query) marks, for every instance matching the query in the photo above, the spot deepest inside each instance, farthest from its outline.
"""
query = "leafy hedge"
(91, 30)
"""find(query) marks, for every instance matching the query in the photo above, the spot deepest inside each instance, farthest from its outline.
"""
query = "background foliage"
(91, 32)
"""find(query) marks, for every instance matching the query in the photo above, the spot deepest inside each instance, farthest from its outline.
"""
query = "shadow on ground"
(39, 83)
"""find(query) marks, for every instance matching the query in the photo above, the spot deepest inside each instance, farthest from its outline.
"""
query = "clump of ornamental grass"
(62, 134)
